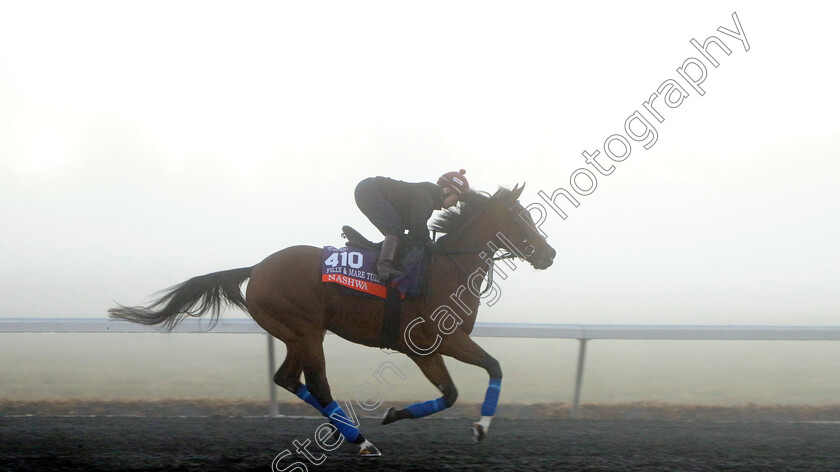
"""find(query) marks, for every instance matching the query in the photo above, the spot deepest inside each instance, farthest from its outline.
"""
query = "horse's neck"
(473, 236)
(459, 271)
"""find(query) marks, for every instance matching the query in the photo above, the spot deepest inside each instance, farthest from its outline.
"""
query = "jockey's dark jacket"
(414, 202)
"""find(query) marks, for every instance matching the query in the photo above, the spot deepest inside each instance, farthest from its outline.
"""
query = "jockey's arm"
(419, 213)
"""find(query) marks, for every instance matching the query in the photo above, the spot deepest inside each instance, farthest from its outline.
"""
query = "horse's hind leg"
(435, 370)
(315, 372)
(288, 377)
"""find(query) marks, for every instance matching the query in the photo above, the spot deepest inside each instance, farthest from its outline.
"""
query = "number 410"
(353, 259)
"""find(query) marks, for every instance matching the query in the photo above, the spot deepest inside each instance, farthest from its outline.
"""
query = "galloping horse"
(287, 298)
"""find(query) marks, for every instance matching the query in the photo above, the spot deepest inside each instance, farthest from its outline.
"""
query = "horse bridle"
(503, 253)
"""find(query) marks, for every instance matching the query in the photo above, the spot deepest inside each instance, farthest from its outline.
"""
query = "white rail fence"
(583, 333)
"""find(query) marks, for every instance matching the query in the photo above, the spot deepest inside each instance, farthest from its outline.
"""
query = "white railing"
(583, 333)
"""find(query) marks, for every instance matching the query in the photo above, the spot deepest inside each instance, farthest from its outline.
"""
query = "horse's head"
(519, 233)
(497, 222)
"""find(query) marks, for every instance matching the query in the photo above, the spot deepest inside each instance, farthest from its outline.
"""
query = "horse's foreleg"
(435, 370)
(460, 346)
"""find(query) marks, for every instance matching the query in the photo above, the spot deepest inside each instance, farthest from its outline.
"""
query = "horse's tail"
(195, 297)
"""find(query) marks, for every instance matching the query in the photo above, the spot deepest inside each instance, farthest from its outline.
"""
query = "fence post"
(579, 378)
(272, 387)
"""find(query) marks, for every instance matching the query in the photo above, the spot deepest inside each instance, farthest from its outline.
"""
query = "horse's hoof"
(478, 432)
(390, 416)
(368, 449)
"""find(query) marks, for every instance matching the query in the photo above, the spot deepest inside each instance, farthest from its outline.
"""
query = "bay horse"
(286, 297)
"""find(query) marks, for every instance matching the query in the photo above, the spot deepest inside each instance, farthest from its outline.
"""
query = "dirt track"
(234, 444)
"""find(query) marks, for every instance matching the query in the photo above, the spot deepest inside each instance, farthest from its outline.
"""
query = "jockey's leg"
(435, 370)
(460, 346)
(381, 212)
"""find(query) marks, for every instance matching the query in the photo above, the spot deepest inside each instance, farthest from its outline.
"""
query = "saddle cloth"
(354, 267)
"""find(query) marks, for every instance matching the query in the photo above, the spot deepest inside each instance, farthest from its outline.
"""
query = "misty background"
(144, 143)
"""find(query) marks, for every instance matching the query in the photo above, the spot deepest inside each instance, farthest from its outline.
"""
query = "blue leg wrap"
(491, 398)
(303, 394)
(419, 410)
(343, 423)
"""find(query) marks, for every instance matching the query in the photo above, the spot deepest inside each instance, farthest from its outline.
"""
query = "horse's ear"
(517, 191)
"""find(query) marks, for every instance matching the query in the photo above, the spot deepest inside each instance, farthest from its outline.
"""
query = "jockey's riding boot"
(385, 265)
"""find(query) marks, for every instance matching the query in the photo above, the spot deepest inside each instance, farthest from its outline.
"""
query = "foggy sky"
(144, 143)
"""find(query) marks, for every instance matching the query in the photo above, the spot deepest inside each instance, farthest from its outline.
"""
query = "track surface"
(234, 444)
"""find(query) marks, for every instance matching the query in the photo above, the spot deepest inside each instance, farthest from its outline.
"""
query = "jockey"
(394, 206)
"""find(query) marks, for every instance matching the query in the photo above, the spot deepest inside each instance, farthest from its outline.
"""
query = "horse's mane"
(473, 203)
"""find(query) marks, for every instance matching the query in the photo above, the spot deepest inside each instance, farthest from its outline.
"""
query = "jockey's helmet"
(455, 180)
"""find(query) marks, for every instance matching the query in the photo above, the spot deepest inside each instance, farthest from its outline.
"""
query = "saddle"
(412, 259)
(355, 239)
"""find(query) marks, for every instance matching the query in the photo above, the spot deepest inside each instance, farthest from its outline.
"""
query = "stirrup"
(387, 272)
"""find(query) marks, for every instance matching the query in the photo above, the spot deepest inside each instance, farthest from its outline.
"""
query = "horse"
(286, 297)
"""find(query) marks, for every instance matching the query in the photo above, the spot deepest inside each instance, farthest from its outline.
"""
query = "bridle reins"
(498, 255)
